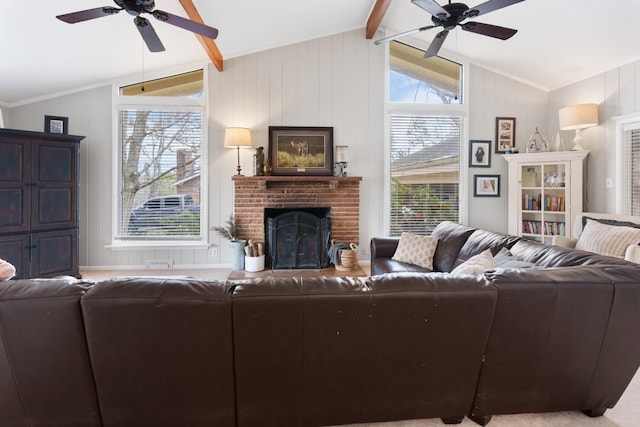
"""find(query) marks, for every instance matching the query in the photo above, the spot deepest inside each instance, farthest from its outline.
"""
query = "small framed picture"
(505, 134)
(301, 150)
(479, 154)
(486, 186)
(55, 124)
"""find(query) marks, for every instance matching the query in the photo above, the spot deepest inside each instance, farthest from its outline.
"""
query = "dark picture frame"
(298, 150)
(56, 124)
(479, 154)
(505, 134)
(486, 186)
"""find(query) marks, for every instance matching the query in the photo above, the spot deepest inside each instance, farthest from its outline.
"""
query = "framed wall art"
(505, 134)
(295, 150)
(55, 124)
(486, 186)
(479, 154)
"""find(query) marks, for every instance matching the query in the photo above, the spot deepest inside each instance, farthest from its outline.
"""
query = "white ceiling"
(558, 42)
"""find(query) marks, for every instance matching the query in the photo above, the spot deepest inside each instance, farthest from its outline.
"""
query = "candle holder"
(340, 166)
(340, 169)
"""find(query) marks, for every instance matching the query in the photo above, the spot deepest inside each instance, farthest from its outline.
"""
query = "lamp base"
(577, 142)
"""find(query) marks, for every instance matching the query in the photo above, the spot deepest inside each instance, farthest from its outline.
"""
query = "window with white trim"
(628, 166)
(424, 145)
(160, 160)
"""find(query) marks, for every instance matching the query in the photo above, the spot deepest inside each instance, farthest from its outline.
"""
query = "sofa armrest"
(633, 254)
(564, 242)
(383, 247)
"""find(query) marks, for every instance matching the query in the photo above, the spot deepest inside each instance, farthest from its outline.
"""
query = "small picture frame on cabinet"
(56, 124)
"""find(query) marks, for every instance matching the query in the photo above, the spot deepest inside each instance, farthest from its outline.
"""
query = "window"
(413, 79)
(160, 160)
(628, 162)
(424, 145)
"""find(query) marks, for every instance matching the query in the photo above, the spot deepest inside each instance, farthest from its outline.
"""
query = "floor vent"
(159, 264)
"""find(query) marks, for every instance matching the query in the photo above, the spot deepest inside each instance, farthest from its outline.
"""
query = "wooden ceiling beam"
(379, 9)
(209, 45)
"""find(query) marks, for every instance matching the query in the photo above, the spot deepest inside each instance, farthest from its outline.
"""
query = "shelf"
(264, 181)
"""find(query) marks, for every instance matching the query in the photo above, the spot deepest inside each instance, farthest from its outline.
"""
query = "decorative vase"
(237, 254)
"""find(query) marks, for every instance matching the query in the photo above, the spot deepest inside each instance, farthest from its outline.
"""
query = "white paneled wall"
(617, 92)
(493, 95)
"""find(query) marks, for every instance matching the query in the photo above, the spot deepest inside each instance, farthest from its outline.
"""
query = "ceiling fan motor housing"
(456, 15)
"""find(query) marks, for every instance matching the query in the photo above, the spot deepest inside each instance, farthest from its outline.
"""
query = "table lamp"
(578, 117)
(236, 138)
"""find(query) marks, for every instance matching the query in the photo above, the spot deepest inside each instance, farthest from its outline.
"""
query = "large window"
(160, 162)
(424, 144)
(628, 167)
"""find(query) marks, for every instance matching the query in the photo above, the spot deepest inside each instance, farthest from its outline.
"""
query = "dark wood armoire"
(39, 186)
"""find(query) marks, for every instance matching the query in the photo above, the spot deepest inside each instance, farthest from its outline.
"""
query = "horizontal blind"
(425, 172)
(633, 170)
(160, 175)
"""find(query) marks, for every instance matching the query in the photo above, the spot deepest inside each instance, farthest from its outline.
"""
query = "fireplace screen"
(298, 238)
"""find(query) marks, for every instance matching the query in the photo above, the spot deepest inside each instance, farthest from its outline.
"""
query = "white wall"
(493, 95)
(617, 92)
(333, 81)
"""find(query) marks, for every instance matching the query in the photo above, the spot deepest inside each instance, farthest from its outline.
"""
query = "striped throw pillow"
(415, 249)
(7, 271)
(606, 239)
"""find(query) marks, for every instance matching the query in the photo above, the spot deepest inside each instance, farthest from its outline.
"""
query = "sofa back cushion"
(556, 256)
(302, 341)
(451, 237)
(162, 351)
(45, 373)
(481, 240)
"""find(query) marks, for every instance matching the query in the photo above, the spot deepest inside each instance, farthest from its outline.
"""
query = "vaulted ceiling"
(558, 42)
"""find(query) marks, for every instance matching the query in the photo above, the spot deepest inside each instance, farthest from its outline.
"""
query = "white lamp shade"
(237, 137)
(578, 116)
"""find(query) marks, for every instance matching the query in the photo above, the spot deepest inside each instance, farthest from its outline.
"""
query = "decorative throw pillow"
(606, 239)
(415, 249)
(476, 265)
(7, 271)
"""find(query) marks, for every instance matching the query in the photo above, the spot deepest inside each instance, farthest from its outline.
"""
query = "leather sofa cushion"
(451, 238)
(481, 240)
(45, 373)
(161, 351)
(556, 256)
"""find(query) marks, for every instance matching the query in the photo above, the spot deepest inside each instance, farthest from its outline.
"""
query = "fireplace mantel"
(264, 181)
(252, 194)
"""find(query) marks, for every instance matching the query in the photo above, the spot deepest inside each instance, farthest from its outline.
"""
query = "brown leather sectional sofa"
(317, 351)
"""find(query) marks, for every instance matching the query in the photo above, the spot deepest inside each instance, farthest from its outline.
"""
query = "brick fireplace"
(255, 193)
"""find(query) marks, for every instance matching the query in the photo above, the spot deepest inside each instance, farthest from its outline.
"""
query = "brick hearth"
(255, 193)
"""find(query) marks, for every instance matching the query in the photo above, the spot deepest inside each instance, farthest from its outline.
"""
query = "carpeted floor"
(625, 414)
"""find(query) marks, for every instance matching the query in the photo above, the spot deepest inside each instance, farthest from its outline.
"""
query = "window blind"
(425, 172)
(160, 162)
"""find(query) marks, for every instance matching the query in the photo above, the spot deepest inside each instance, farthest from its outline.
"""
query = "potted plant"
(230, 232)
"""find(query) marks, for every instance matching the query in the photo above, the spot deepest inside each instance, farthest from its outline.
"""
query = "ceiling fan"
(452, 15)
(136, 8)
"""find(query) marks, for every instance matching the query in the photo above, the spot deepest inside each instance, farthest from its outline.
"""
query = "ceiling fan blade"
(399, 35)
(148, 34)
(85, 15)
(432, 7)
(489, 6)
(495, 31)
(187, 24)
(436, 44)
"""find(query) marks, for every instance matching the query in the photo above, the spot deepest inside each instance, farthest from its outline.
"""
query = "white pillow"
(416, 249)
(7, 270)
(476, 265)
(604, 239)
